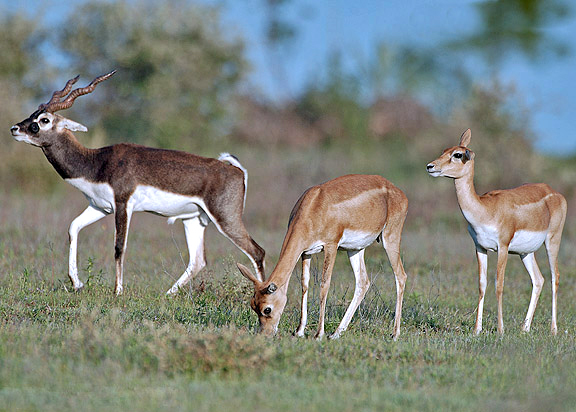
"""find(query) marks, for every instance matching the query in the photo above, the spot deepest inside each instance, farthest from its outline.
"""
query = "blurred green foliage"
(336, 103)
(516, 26)
(181, 72)
(176, 68)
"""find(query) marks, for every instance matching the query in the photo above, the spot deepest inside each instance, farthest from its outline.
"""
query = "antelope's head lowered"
(41, 127)
(268, 302)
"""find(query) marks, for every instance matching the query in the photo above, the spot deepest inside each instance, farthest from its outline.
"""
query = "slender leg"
(552, 248)
(304, 307)
(122, 219)
(233, 228)
(225, 209)
(87, 217)
(391, 241)
(531, 266)
(362, 285)
(482, 257)
(194, 230)
(329, 259)
(500, 271)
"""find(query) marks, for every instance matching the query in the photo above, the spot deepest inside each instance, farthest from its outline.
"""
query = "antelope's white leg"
(87, 217)
(552, 248)
(531, 265)
(194, 231)
(362, 285)
(304, 307)
(482, 257)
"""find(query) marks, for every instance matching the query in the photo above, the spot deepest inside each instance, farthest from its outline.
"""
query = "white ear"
(72, 125)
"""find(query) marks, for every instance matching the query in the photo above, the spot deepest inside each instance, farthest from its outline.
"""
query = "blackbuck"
(127, 178)
(516, 221)
(348, 213)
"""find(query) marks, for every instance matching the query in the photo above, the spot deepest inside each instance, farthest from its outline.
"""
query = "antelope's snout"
(432, 170)
(18, 129)
(19, 134)
(268, 329)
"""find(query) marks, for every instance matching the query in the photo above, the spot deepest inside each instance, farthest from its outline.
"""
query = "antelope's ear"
(71, 125)
(271, 289)
(465, 138)
(247, 274)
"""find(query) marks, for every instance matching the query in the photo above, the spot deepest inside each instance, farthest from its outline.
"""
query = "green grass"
(140, 352)
(92, 351)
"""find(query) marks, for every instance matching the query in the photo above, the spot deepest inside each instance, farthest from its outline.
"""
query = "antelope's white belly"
(144, 199)
(350, 240)
(315, 247)
(356, 240)
(524, 241)
(527, 242)
(151, 199)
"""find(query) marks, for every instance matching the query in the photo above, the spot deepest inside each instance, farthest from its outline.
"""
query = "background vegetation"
(181, 84)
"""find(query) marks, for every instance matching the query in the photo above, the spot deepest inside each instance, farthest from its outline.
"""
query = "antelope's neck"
(70, 158)
(292, 250)
(468, 199)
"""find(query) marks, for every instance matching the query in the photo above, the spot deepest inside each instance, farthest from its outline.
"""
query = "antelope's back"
(355, 202)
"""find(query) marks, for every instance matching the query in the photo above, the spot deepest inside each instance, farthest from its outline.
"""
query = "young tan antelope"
(126, 178)
(348, 213)
(514, 221)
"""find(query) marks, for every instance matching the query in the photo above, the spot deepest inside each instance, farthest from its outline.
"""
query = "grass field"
(92, 351)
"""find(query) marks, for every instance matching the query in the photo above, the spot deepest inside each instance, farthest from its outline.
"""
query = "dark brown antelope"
(514, 221)
(126, 178)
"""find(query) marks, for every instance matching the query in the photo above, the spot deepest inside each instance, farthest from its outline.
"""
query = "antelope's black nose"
(429, 166)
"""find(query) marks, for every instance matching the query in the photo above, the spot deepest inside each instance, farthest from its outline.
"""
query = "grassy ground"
(197, 351)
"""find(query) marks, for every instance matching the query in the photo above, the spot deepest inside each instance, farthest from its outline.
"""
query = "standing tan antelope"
(514, 221)
(126, 178)
(349, 213)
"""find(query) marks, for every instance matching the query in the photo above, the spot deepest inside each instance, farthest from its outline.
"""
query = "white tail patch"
(233, 160)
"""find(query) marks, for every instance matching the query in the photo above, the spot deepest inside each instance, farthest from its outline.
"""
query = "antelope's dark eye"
(267, 311)
(45, 120)
(458, 155)
(34, 128)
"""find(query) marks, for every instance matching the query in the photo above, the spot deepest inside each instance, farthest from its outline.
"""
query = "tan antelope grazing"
(514, 221)
(126, 178)
(348, 213)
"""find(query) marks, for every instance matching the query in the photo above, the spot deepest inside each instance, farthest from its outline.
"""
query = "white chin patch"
(20, 137)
